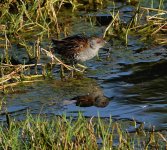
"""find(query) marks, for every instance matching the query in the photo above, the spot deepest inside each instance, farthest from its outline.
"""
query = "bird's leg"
(73, 69)
(98, 58)
(62, 75)
(73, 65)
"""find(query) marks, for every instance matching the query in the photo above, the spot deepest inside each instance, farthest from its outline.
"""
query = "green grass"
(62, 132)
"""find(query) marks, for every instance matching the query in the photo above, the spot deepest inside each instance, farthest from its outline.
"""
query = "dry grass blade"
(54, 58)
(111, 23)
(164, 139)
(6, 78)
(153, 9)
(16, 83)
(159, 28)
(15, 74)
(9, 65)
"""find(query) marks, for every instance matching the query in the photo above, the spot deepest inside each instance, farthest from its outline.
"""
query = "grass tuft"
(62, 132)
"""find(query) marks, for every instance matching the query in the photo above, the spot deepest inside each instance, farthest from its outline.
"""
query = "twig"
(54, 58)
(164, 139)
(10, 65)
(159, 29)
(153, 9)
(16, 83)
(10, 76)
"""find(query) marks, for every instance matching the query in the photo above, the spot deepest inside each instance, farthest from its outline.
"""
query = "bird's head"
(97, 42)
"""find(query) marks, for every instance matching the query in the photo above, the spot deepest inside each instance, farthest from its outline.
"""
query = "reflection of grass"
(75, 87)
(71, 133)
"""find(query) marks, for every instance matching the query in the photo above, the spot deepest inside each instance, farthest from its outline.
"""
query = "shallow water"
(121, 79)
(132, 79)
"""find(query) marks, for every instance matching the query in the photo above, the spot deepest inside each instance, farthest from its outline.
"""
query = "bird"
(91, 100)
(78, 48)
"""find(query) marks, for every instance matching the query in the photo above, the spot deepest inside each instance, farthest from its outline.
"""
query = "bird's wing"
(71, 45)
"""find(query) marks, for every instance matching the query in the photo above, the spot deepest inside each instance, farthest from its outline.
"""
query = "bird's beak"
(105, 42)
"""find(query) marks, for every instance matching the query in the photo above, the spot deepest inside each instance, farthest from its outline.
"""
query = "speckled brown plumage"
(78, 47)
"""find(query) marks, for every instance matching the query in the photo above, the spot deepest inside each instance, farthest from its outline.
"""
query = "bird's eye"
(81, 46)
(98, 40)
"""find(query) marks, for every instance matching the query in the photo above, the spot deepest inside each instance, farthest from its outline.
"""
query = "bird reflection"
(91, 100)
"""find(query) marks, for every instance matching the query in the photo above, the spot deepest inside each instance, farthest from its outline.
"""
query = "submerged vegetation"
(81, 133)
